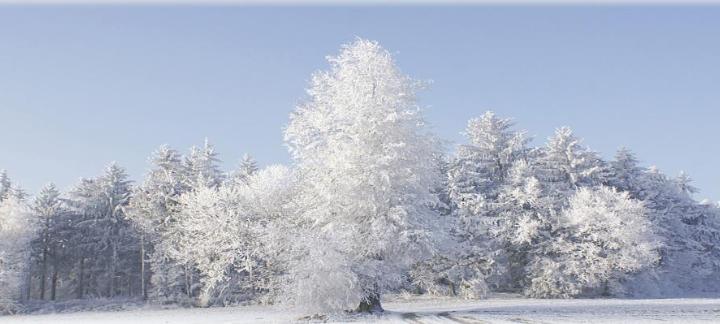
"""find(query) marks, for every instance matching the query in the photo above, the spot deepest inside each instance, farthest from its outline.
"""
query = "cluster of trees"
(371, 205)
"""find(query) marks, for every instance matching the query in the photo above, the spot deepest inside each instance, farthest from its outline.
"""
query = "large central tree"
(365, 158)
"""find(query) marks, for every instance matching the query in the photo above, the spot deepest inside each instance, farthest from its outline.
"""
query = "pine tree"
(565, 165)
(50, 213)
(107, 244)
(248, 167)
(690, 235)
(201, 167)
(476, 177)
(625, 173)
(5, 185)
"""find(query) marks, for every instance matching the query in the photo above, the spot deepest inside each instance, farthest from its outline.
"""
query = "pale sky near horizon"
(81, 86)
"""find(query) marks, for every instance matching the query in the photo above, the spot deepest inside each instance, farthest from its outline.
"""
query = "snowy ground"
(423, 310)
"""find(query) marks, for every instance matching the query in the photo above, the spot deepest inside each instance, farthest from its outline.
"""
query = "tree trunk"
(205, 297)
(28, 282)
(143, 288)
(187, 281)
(371, 304)
(113, 270)
(43, 273)
(53, 283)
(81, 279)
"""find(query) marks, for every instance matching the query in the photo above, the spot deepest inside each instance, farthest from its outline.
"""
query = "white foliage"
(362, 148)
(605, 235)
(16, 232)
(224, 229)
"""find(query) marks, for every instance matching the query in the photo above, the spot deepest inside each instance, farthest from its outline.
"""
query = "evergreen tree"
(476, 177)
(5, 185)
(201, 167)
(108, 260)
(50, 214)
(565, 165)
(248, 167)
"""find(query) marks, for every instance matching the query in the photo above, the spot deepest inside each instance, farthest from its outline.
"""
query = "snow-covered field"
(438, 310)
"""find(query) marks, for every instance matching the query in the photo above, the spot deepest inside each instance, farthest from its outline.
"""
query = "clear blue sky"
(83, 86)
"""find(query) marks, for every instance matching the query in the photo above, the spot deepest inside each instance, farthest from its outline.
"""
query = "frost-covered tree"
(684, 181)
(201, 167)
(225, 231)
(625, 172)
(105, 240)
(362, 150)
(269, 198)
(565, 165)
(50, 215)
(153, 209)
(16, 232)
(690, 235)
(479, 170)
(7, 188)
(210, 218)
(528, 223)
(477, 176)
(248, 166)
(5, 185)
(604, 236)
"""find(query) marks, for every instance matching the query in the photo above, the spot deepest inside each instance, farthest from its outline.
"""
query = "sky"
(81, 86)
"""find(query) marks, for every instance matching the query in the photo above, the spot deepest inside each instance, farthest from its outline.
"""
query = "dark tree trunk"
(43, 273)
(81, 279)
(143, 286)
(28, 282)
(371, 304)
(112, 288)
(53, 284)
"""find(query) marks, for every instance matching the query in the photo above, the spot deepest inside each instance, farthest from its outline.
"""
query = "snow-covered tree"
(105, 241)
(201, 167)
(7, 188)
(16, 232)
(210, 218)
(248, 166)
(225, 231)
(5, 185)
(684, 181)
(565, 165)
(690, 235)
(625, 172)
(479, 170)
(153, 209)
(362, 150)
(476, 176)
(604, 236)
(528, 223)
(50, 214)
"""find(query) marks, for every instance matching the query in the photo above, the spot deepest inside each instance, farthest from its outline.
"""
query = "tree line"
(371, 204)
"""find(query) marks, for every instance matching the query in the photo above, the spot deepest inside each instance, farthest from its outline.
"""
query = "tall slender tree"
(49, 210)
(107, 244)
